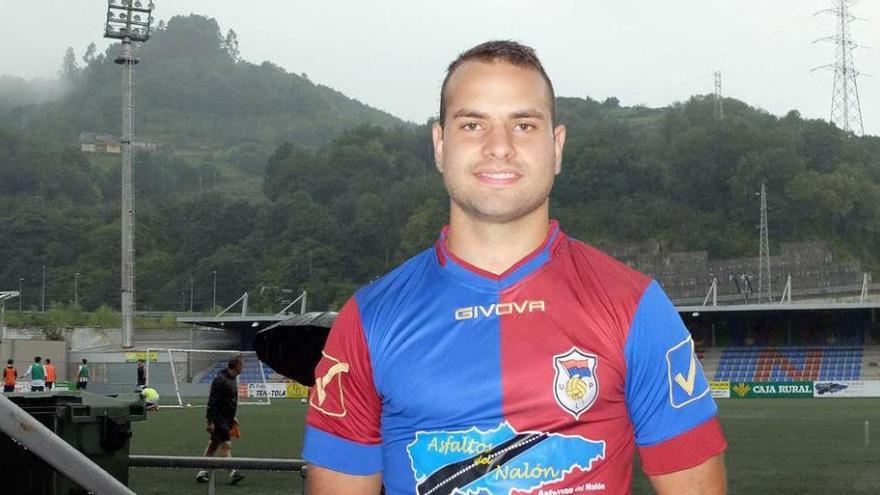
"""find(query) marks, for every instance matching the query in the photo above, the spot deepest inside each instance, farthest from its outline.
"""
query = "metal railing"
(212, 463)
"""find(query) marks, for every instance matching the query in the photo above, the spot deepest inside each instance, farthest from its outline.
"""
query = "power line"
(846, 109)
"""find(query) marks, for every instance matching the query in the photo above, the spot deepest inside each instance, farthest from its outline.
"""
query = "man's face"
(235, 371)
(497, 149)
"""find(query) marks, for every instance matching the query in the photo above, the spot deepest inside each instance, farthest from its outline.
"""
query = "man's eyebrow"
(469, 114)
(530, 113)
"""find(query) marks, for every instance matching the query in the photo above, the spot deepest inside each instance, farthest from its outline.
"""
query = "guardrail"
(246, 463)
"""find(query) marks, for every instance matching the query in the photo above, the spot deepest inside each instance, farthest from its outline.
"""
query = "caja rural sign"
(768, 390)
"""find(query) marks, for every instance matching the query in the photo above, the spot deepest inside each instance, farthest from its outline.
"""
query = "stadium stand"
(790, 363)
(249, 374)
(687, 275)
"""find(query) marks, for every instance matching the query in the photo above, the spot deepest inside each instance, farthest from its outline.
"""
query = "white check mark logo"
(687, 384)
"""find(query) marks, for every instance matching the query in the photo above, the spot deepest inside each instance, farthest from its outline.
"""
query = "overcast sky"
(391, 54)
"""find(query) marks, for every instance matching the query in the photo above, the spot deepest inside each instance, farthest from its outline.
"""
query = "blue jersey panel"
(339, 454)
(666, 391)
(435, 350)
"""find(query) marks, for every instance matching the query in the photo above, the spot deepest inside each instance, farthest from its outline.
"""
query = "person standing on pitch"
(10, 375)
(508, 358)
(37, 374)
(222, 423)
(141, 373)
(82, 375)
(50, 374)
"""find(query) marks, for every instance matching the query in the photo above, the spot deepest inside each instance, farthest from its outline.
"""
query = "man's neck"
(495, 247)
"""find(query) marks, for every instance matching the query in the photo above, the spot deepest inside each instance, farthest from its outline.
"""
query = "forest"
(267, 182)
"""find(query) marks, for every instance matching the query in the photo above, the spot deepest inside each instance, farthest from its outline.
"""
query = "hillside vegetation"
(302, 188)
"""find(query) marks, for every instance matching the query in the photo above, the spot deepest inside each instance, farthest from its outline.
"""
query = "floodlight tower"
(719, 99)
(128, 21)
(764, 253)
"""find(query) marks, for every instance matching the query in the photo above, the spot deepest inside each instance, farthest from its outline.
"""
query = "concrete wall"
(23, 352)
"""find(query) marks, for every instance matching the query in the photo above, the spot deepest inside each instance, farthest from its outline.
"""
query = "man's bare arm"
(322, 481)
(707, 478)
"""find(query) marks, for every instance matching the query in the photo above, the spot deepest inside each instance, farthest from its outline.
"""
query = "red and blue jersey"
(447, 379)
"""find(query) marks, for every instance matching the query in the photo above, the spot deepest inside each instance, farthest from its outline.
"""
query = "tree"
(89, 56)
(69, 69)
(231, 45)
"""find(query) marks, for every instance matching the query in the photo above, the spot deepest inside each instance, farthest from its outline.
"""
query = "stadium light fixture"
(130, 19)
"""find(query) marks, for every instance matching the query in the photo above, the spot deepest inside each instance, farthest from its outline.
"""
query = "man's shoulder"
(397, 282)
(221, 377)
(599, 272)
(609, 268)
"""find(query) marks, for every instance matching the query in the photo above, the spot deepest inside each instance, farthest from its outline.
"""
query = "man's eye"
(525, 126)
(471, 126)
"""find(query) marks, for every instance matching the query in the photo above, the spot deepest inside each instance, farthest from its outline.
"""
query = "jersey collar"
(477, 276)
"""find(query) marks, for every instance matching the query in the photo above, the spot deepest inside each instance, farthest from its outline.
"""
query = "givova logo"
(499, 309)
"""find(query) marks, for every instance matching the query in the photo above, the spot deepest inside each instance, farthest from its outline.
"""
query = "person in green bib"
(82, 375)
(37, 374)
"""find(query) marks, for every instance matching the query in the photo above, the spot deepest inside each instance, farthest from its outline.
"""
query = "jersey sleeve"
(342, 422)
(667, 394)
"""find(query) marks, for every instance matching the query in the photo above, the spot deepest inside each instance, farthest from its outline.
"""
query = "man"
(141, 373)
(10, 375)
(82, 375)
(37, 374)
(151, 398)
(509, 358)
(222, 423)
(50, 374)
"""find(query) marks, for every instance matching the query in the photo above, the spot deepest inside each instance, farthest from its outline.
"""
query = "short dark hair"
(85, 360)
(37, 359)
(9, 361)
(48, 361)
(500, 50)
(233, 362)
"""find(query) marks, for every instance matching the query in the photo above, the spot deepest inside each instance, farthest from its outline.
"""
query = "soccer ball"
(303, 400)
(188, 404)
(576, 388)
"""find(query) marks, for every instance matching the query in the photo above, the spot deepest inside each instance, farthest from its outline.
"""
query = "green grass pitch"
(777, 446)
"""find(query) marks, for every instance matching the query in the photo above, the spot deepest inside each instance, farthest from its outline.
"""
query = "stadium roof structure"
(797, 306)
(250, 322)
(293, 347)
(4, 296)
(290, 343)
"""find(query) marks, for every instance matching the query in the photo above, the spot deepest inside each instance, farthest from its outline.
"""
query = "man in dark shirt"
(222, 403)
(141, 373)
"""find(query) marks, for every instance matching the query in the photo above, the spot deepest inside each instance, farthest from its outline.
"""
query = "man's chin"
(499, 214)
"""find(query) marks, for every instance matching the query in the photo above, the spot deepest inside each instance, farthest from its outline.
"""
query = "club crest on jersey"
(575, 386)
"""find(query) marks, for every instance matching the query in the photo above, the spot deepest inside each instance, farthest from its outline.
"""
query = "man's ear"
(559, 144)
(437, 135)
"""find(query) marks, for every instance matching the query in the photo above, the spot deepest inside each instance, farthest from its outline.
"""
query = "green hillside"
(192, 89)
(298, 187)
